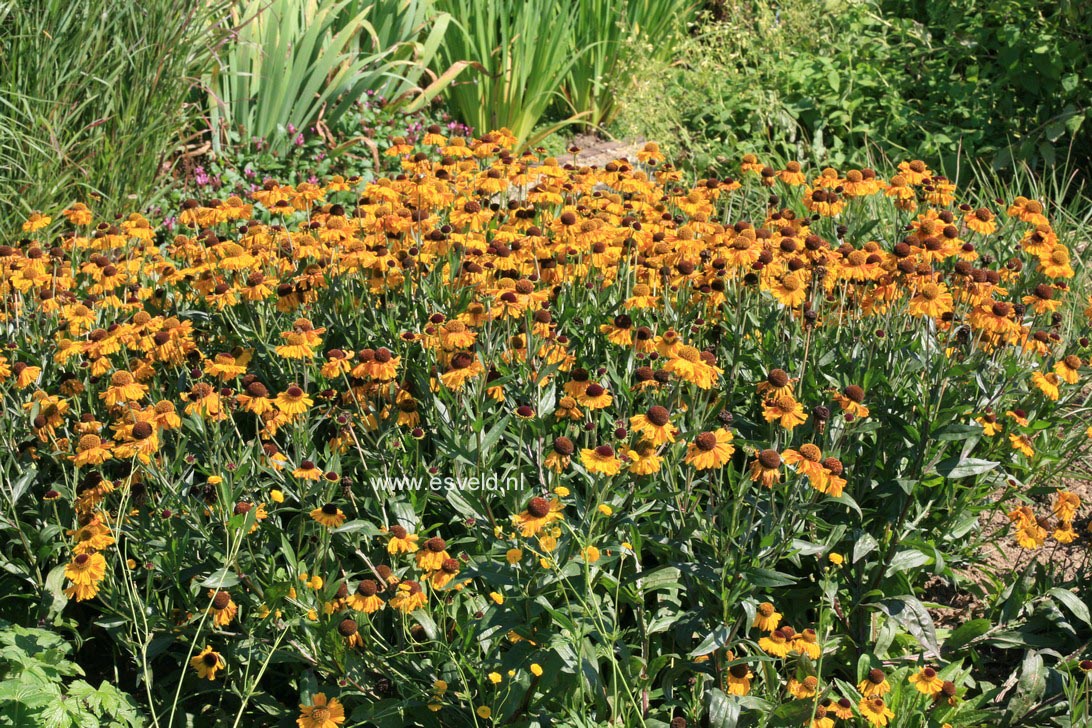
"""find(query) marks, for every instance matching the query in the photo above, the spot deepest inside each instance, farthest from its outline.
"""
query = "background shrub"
(997, 83)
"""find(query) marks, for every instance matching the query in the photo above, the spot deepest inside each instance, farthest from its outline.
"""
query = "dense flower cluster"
(601, 316)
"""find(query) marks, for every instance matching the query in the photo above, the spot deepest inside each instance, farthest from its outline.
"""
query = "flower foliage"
(504, 436)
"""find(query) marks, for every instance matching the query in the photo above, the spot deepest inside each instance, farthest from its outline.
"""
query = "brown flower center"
(769, 459)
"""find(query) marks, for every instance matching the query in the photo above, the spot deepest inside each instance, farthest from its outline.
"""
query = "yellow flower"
(536, 669)
(321, 713)
(605, 509)
(495, 678)
(710, 450)
(207, 662)
(328, 515)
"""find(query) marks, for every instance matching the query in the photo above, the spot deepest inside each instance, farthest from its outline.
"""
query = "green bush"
(998, 83)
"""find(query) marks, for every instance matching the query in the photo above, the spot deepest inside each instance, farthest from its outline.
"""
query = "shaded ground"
(1002, 560)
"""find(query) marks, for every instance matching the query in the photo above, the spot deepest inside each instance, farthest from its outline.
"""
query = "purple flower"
(291, 128)
(320, 156)
(200, 177)
(298, 141)
(249, 173)
(169, 223)
(313, 179)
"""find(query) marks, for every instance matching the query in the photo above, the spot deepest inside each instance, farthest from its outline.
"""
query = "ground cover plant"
(516, 441)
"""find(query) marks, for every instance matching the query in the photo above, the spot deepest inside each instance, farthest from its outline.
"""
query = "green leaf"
(912, 616)
(955, 468)
(865, 545)
(1073, 603)
(906, 560)
(965, 634)
(721, 710)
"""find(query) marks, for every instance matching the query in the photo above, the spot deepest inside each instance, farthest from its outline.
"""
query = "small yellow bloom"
(605, 509)
(495, 678)
(277, 496)
(561, 491)
(536, 669)
(835, 558)
(484, 712)
(496, 597)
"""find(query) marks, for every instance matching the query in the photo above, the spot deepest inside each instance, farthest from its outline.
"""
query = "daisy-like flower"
(803, 689)
(851, 400)
(808, 460)
(293, 401)
(365, 598)
(255, 399)
(540, 513)
(85, 572)
(401, 541)
(778, 643)
(94, 535)
(766, 468)
(766, 617)
(1066, 505)
(595, 396)
(785, 410)
(874, 684)
(875, 711)
(123, 388)
(927, 682)
(777, 383)
(655, 426)
(600, 460)
(789, 289)
(981, 221)
(432, 556)
(560, 454)
(448, 570)
(463, 367)
(1068, 369)
(807, 643)
(697, 368)
(207, 663)
(321, 713)
(710, 450)
(931, 300)
(738, 680)
(990, 425)
(91, 450)
(1047, 384)
(329, 516)
(409, 597)
(222, 609)
(643, 459)
(307, 470)
(1022, 444)
(833, 484)
(348, 629)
